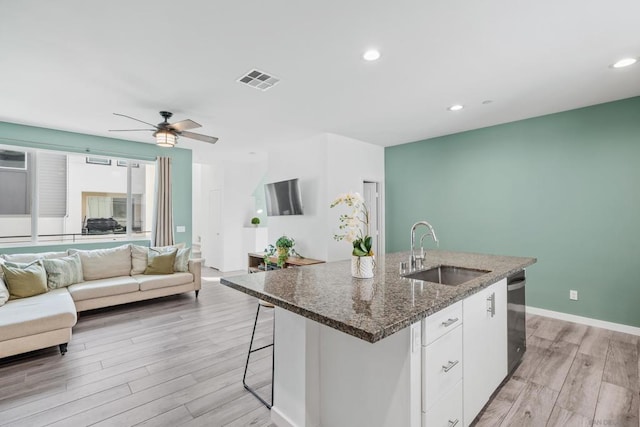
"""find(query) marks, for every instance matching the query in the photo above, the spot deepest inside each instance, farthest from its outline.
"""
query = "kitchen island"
(352, 352)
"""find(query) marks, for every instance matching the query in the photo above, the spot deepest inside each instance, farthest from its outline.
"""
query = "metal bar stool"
(264, 304)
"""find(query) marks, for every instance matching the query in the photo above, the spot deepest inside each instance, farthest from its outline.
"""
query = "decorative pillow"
(29, 258)
(63, 272)
(182, 260)
(25, 280)
(105, 263)
(4, 292)
(161, 262)
(139, 259)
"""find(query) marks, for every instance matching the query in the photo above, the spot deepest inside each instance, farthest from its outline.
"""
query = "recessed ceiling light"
(456, 107)
(625, 62)
(371, 55)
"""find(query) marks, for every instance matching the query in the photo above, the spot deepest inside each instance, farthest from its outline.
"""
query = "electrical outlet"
(181, 229)
(573, 295)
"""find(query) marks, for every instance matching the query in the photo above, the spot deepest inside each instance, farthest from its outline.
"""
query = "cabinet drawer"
(441, 322)
(441, 366)
(448, 410)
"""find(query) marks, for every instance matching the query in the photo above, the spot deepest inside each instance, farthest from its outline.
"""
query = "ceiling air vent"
(259, 80)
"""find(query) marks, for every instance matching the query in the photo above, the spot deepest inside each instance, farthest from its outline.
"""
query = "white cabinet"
(442, 367)
(448, 411)
(484, 346)
(438, 324)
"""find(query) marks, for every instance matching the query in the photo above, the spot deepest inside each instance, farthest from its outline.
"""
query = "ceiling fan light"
(165, 139)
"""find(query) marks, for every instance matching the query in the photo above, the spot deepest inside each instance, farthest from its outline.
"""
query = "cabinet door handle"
(450, 322)
(454, 423)
(450, 365)
(492, 304)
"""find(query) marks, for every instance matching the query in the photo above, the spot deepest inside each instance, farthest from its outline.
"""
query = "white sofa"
(112, 277)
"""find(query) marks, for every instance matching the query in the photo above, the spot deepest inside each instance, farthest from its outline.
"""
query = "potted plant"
(354, 229)
(284, 248)
(255, 221)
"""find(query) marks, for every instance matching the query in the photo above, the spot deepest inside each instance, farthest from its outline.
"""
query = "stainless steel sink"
(447, 275)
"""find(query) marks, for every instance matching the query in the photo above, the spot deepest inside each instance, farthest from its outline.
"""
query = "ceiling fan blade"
(199, 137)
(131, 130)
(185, 124)
(137, 120)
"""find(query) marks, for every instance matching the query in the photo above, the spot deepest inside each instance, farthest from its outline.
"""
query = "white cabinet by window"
(484, 330)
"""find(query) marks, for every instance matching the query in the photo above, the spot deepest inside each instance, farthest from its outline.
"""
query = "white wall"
(236, 180)
(307, 161)
(350, 162)
(325, 164)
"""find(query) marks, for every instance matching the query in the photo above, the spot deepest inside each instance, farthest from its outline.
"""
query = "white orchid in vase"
(354, 226)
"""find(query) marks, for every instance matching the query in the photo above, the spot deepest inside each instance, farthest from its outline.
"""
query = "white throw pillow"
(28, 258)
(105, 263)
(139, 259)
(4, 292)
(63, 272)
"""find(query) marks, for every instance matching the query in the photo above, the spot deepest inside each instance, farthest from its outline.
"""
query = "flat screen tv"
(283, 198)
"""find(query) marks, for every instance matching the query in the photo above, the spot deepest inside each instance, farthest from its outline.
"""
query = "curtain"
(163, 218)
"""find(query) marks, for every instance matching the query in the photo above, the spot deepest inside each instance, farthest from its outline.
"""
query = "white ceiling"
(69, 64)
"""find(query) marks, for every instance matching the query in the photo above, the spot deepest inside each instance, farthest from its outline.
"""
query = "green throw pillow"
(182, 260)
(25, 280)
(160, 262)
(63, 272)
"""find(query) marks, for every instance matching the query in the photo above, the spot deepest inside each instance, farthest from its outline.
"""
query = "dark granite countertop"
(372, 309)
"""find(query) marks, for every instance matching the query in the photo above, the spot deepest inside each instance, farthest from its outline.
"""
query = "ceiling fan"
(166, 133)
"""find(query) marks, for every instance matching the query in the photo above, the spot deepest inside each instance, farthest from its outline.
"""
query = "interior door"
(213, 242)
(370, 195)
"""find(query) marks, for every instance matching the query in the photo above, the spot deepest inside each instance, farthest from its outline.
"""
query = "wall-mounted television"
(283, 198)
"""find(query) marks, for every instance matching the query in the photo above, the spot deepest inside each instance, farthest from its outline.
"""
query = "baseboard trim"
(618, 327)
(279, 419)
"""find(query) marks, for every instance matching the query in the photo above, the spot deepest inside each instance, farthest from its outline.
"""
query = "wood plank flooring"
(571, 375)
(179, 361)
(167, 362)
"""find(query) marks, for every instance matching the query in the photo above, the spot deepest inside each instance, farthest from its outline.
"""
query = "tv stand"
(256, 262)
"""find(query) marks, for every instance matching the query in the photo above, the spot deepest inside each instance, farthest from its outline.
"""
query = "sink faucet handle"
(419, 261)
(403, 267)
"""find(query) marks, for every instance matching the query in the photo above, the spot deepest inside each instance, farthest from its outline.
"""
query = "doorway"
(371, 195)
(212, 249)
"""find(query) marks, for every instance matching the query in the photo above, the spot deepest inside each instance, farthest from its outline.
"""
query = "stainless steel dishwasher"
(516, 319)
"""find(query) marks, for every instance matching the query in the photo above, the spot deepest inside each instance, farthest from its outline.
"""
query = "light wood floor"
(179, 361)
(571, 375)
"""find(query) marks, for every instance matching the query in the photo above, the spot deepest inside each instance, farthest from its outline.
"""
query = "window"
(13, 159)
(76, 199)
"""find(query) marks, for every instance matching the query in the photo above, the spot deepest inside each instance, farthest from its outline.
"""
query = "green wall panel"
(562, 188)
(36, 137)
(63, 247)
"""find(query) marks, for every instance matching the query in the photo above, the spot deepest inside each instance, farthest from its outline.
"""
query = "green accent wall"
(564, 188)
(181, 160)
(79, 245)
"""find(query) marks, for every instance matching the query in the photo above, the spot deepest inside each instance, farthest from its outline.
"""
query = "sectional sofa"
(79, 280)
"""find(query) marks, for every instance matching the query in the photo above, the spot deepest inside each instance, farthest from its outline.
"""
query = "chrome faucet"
(431, 232)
